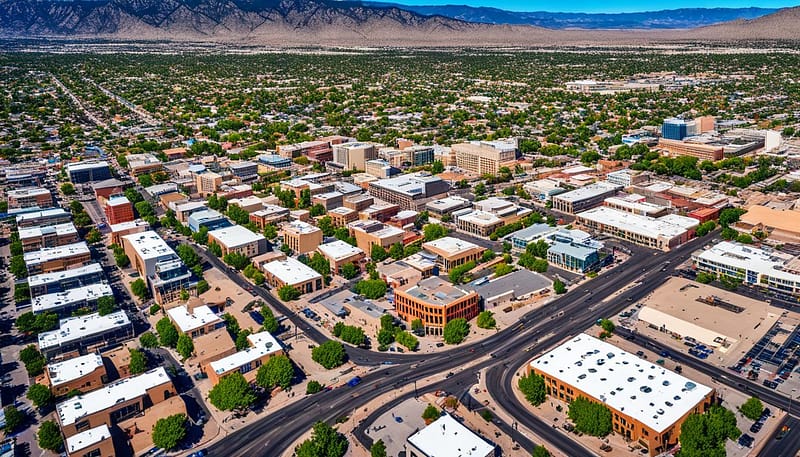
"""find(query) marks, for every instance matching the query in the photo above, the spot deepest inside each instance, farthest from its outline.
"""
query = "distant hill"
(781, 25)
(685, 18)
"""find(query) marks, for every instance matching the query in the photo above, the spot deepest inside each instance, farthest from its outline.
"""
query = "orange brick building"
(118, 209)
(436, 302)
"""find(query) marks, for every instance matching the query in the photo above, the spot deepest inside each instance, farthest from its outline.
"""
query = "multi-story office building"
(195, 321)
(358, 202)
(140, 164)
(84, 373)
(263, 346)
(663, 233)
(522, 238)
(127, 228)
(636, 204)
(114, 402)
(301, 237)
(317, 151)
(118, 209)
(158, 190)
(50, 216)
(208, 218)
(354, 156)
(477, 222)
(329, 200)
(446, 206)
(108, 187)
(208, 182)
(451, 252)
(66, 302)
(34, 238)
(371, 233)
(411, 191)
(380, 168)
(59, 258)
(50, 283)
(380, 212)
(184, 210)
(481, 157)
(96, 441)
(573, 256)
(269, 215)
(677, 148)
(342, 216)
(435, 302)
(237, 239)
(28, 197)
(678, 129)
(85, 334)
(171, 278)
(244, 170)
(340, 253)
(648, 403)
(292, 272)
(627, 178)
(82, 172)
(165, 273)
(584, 198)
(268, 162)
(249, 204)
(771, 269)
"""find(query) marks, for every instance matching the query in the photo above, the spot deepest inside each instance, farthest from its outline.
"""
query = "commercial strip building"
(780, 226)
(627, 177)
(82, 172)
(342, 216)
(447, 437)
(52, 216)
(381, 212)
(410, 270)
(59, 258)
(195, 321)
(435, 302)
(410, 191)
(371, 233)
(127, 228)
(636, 204)
(49, 236)
(165, 273)
(339, 253)
(663, 233)
(768, 268)
(50, 283)
(114, 402)
(238, 239)
(292, 272)
(84, 334)
(27, 197)
(584, 198)
(481, 157)
(301, 237)
(514, 287)
(648, 402)
(84, 373)
(249, 204)
(118, 209)
(66, 302)
(262, 346)
(452, 252)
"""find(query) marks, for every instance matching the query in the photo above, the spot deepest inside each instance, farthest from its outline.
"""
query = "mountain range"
(336, 23)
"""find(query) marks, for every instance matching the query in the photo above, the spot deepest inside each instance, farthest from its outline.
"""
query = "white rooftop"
(245, 201)
(376, 229)
(189, 206)
(47, 278)
(749, 258)
(74, 328)
(641, 389)
(235, 236)
(72, 369)
(37, 232)
(450, 245)
(261, 344)
(118, 200)
(634, 223)
(27, 192)
(43, 214)
(127, 225)
(187, 322)
(75, 408)
(300, 227)
(58, 252)
(339, 250)
(73, 166)
(87, 438)
(447, 437)
(480, 218)
(291, 271)
(69, 297)
(588, 191)
(149, 245)
(635, 205)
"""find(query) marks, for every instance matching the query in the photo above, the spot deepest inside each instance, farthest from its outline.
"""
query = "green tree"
(258, 278)
(139, 288)
(231, 325)
(559, 287)
(185, 346)
(752, 408)
(503, 269)
(434, 231)
(436, 167)
(202, 286)
(36, 323)
(704, 435)
(49, 436)
(313, 387)
(236, 260)
(105, 305)
(14, 418)
(589, 417)
(486, 320)
(396, 251)
(33, 359)
(378, 253)
(459, 273)
(40, 395)
(167, 333)
(68, 189)
(17, 266)
(378, 449)
(455, 331)
(430, 414)
(188, 255)
(704, 277)
(540, 451)
(320, 264)
(349, 270)
(408, 340)
(371, 288)
(533, 387)
(317, 210)
(353, 335)
(488, 255)
(730, 216)
(94, 236)
(138, 363)
(278, 371)
(215, 249)
(241, 339)
(325, 441)
(271, 323)
(288, 293)
(169, 431)
(22, 292)
(417, 326)
(232, 392)
(329, 354)
(385, 337)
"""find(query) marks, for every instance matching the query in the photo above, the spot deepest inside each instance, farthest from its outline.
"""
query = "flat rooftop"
(376, 229)
(70, 411)
(69, 297)
(647, 392)
(43, 214)
(291, 271)
(59, 252)
(592, 190)
(127, 225)
(436, 291)
(787, 221)
(77, 166)
(450, 245)
(634, 205)
(480, 218)
(72, 369)
(27, 192)
(75, 328)
(48, 278)
(118, 200)
(235, 236)
(149, 245)
(339, 250)
(447, 437)
(749, 258)
(261, 344)
(40, 231)
(447, 204)
(520, 283)
(634, 223)
(187, 322)
(411, 184)
(87, 438)
(300, 228)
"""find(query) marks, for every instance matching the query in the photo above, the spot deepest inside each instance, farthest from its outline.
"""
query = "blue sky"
(608, 6)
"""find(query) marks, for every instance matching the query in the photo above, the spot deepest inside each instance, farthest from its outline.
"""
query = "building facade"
(451, 252)
(435, 302)
(28, 197)
(584, 198)
(301, 237)
(60, 258)
(35, 238)
(237, 239)
(409, 192)
(482, 157)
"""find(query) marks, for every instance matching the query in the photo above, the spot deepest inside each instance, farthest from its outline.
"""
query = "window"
(92, 453)
(81, 426)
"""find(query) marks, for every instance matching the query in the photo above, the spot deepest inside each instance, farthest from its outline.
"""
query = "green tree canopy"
(270, 321)
(455, 331)
(49, 436)
(349, 270)
(540, 451)
(278, 371)
(378, 253)
(486, 320)
(167, 333)
(105, 305)
(371, 288)
(14, 418)
(288, 293)
(533, 387)
(704, 435)
(185, 346)
(138, 363)
(325, 441)
(232, 392)
(39, 394)
(139, 288)
(434, 231)
(148, 340)
(329, 354)
(752, 408)
(430, 414)
(408, 340)
(169, 431)
(313, 387)
(589, 417)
